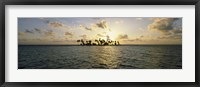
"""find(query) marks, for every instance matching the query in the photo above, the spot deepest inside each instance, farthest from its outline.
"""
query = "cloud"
(163, 37)
(104, 33)
(29, 31)
(163, 25)
(90, 29)
(21, 33)
(177, 31)
(170, 28)
(86, 28)
(35, 30)
(140, 38)
(83, 36)
(125, 36)
(100, 35)
(171, 37)
(133, 40)
(94, 26)
(38, 30)
(69, 34)
(56, 24)
(102, 24)
(49, 33)
(21, 40)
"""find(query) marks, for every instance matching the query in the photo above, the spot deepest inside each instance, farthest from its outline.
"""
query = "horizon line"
(94, 45)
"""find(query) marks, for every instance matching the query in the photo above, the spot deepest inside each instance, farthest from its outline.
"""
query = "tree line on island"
(100, 42)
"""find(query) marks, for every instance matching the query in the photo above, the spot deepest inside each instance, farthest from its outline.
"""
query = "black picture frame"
(98, 2)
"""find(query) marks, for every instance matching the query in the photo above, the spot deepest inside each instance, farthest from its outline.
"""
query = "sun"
(112, 35)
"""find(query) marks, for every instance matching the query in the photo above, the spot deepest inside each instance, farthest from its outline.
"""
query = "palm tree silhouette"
(82, 42)
(98, 42)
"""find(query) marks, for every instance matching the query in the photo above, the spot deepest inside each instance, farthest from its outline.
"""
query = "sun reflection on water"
(107, 57)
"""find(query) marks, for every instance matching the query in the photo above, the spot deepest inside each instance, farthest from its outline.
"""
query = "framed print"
(100, 43)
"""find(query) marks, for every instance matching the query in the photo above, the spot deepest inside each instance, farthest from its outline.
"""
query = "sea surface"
(100, 57)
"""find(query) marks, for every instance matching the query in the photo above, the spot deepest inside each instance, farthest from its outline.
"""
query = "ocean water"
(100, 57)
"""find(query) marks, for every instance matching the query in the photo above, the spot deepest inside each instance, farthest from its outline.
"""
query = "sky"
(126, 30)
